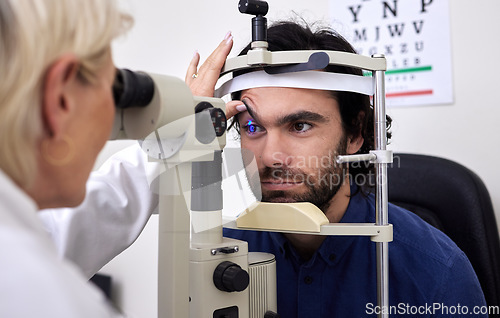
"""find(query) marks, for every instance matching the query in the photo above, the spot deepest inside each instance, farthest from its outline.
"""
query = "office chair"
(455, 200)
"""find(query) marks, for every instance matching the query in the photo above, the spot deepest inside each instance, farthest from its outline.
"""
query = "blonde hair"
(33, 35)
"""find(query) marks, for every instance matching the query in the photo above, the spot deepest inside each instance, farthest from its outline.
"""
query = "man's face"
(295, 135)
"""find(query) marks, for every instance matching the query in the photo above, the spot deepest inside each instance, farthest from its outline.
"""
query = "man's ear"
(354, 143)
(57, 85)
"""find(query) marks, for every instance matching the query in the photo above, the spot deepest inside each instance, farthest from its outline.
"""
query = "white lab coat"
(34, 280)
(118, 203)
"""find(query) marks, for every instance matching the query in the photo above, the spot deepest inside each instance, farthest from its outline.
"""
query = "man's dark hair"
(355, 109)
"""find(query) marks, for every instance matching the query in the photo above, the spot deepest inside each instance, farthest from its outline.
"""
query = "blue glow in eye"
(251, 127)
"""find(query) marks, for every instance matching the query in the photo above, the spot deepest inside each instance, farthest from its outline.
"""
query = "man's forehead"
(272, 102)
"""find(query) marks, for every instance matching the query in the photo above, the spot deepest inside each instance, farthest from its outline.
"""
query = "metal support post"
(381, 191)
(173, 245)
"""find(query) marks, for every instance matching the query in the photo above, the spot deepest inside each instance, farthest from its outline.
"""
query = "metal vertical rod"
(173, 245)
(381, 191)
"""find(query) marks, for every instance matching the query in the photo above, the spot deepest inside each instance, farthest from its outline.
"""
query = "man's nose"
(275, 152)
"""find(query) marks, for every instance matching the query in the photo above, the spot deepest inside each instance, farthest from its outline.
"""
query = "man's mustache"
(270, 174)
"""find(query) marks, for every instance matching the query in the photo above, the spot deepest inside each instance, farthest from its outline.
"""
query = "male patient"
(291, 131)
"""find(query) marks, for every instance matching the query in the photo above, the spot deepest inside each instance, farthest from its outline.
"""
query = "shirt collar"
(280, 240)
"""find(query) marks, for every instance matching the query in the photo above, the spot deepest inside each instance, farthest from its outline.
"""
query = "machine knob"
(230, 277)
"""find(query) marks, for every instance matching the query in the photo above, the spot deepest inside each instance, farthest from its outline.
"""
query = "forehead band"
(305, 79)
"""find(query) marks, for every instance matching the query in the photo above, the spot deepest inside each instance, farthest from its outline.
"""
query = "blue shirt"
(429, 276)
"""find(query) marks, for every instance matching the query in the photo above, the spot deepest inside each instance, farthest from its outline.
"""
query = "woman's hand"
(202, 81)
(233, 107)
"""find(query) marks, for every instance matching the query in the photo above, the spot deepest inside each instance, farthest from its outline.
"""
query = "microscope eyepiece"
(253, 7)
(132, 89)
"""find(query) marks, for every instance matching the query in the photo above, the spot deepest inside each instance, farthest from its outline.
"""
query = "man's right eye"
(252, 128)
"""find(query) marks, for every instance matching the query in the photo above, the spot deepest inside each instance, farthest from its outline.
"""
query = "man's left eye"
(302, 127)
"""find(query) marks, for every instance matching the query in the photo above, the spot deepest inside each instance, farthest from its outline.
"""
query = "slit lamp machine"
(200, 272)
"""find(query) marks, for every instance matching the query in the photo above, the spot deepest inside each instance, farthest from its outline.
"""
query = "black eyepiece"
(253, 7)
(132, 89)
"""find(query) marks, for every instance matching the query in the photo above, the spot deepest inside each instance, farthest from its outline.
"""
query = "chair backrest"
(454, 199)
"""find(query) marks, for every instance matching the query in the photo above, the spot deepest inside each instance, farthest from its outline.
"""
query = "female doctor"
(119, 199)
(56, 113)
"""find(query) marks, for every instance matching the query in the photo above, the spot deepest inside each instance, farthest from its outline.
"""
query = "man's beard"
(321, 188)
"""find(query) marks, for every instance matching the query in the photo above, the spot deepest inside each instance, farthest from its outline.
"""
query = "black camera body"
(253, 7)
(259, 9)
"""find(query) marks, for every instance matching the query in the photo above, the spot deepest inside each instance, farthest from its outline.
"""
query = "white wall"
(166, 34)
